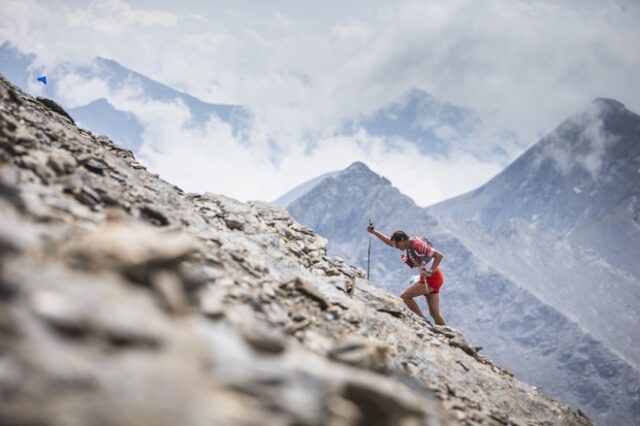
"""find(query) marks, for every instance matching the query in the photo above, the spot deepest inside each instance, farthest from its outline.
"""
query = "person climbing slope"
(418, 254)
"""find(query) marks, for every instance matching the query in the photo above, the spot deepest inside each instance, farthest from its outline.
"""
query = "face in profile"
(402, 245)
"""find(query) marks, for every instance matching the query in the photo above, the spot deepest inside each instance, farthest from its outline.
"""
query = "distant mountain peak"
(359, 170)
(609, 102)
(110, 63)
(573, 176)
(300, 190)
(603, 110)
(8, 46)
(99, 101)
(9, 52)
(16, 65)
(102, 59)
(358, 166)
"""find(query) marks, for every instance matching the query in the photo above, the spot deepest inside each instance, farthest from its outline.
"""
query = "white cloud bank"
(113, 16)
(211, 159)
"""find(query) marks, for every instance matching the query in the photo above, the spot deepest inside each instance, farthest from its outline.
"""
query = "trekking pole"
(369, 252)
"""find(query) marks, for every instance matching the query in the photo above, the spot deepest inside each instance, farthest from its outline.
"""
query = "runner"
(418, 253)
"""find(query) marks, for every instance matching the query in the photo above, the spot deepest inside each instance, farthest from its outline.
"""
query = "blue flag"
(43, 79)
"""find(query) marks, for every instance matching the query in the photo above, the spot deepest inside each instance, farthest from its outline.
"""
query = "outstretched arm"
(380, 235)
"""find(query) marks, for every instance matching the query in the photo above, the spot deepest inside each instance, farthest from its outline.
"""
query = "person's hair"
(399, 236)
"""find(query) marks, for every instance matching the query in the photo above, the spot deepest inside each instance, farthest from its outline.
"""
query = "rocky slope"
(521, 309)
(124, 300)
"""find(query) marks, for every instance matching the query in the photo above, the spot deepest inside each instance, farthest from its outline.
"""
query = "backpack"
(414, 259)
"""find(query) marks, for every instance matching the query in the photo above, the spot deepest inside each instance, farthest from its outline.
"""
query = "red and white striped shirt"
(422, 249)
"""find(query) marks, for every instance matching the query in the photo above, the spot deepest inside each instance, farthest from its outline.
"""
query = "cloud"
(210, 158)
(197, 18)
(594, 140)
(581, 142)
(74, 90)
(114, 16)
(512, 62)
(26, 22)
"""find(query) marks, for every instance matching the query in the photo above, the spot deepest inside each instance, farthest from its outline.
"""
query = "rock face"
(124, 300)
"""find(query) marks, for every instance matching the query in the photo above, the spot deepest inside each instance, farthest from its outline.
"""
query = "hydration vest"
(414, 259)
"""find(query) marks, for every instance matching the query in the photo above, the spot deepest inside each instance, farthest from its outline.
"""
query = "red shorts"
(435, 281)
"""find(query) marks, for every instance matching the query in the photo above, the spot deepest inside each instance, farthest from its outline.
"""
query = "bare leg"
(409, 293)
(433, 301)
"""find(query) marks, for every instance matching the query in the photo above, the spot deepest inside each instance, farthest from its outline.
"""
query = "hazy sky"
(302, 68)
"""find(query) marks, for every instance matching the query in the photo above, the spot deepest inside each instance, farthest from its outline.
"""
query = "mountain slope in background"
(570, 278)
(580, 181)
(515, 327)
(15, 65)
(300, 190)
(420, 118)
(104, 119)
(118, 77)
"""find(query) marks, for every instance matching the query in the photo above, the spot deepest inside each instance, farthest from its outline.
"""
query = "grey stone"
(264, 338)
(309, 290)
(361, 352)
(53, 106)
(61, 162)
(170, 290)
